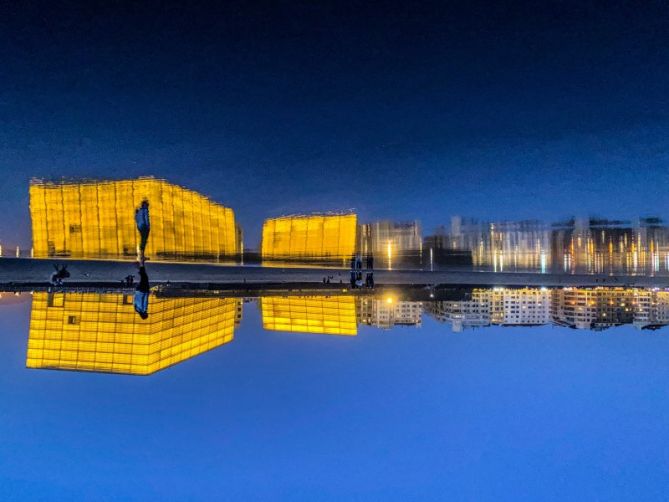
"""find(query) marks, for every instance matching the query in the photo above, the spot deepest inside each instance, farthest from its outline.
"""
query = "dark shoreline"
(34, 274)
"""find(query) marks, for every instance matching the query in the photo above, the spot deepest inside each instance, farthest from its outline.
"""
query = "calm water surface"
(499, 413)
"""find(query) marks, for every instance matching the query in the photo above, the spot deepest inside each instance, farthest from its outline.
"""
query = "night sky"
(398, 110)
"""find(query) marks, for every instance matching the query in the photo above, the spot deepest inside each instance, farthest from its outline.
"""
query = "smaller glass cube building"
(329, 237)
(330, 315)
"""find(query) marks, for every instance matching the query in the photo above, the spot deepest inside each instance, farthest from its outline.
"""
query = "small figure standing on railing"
(143, 226)
(141, 300)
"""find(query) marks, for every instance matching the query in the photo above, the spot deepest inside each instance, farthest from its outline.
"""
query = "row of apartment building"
(101, 331)
(579, 308)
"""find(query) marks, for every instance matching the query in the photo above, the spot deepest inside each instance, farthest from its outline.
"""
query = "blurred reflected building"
(604, 246)
(578, 245)
(500, 246)
(96, 219)
(391, 243)
(387, 312)
(322, 238)
(103, 333)
(330, 315)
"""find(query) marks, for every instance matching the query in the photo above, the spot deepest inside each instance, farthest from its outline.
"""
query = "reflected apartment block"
(651, 309)
(474, 312)
(9, 298)
(101, 332)
(386, 313)
(391, 243)
(520, 307)
(96, 219)
(498, 306)
(330, 315)
(329, 237)
(594, 308)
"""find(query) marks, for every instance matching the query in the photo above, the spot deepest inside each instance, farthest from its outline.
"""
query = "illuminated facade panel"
(321, 237)
(103, 333)
(331, 315)
(96, 219)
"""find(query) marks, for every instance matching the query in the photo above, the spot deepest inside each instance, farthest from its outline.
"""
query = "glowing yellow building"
(96, 219)
(317, 237)
(331, 315)
(103, 333)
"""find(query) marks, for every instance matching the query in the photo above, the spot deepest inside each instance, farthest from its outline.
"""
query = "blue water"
(542, 413)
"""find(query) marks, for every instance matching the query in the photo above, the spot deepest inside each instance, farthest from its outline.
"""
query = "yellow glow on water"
(96, 219)
(390, 255)
(309, 237)
(332, 315)
(102, 332)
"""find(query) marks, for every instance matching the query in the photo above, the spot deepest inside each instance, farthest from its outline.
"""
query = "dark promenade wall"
(19, 271)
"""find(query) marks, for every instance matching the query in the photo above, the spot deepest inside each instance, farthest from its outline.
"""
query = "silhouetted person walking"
(141, 300)
(143, 226)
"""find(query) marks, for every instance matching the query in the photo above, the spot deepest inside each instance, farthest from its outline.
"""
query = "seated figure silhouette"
(60, 274)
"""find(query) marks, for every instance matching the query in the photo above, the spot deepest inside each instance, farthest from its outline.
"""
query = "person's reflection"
(141, 301)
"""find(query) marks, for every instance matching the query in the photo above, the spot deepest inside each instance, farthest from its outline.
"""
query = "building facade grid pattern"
(103, 333)
(97, 220)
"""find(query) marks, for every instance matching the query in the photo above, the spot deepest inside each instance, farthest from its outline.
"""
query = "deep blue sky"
(493, 110)
(497, 414)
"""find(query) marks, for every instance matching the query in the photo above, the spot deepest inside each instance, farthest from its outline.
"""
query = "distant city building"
(386, 313)
(330, 315)
(103, 333)
(96, 219)
(330, 237)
